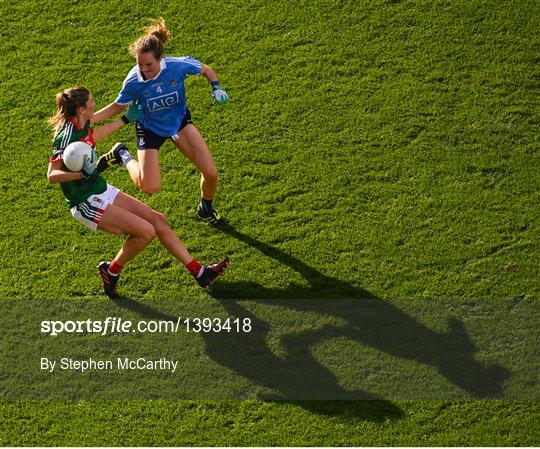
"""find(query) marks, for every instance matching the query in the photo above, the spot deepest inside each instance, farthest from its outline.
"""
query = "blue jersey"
(163, 98)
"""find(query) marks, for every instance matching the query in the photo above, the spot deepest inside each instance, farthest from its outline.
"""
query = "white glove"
(220, 96)
(89, 164)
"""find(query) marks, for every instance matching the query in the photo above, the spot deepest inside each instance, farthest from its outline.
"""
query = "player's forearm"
(55, 176)
(107, 112)
(208, 73)
(103, 131)
(218, 93)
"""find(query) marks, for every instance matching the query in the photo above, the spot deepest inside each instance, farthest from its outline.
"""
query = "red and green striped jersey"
(81, 189)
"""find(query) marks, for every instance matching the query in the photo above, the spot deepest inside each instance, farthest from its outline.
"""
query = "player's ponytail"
(153, 39)
(67, 103)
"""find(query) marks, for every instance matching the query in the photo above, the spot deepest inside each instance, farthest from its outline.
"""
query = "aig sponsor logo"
(163, 101)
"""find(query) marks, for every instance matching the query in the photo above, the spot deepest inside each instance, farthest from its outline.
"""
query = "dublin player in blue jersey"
(156, 83)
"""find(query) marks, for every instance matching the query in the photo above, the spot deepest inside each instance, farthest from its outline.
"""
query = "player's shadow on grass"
(367, 320)
(375, 410)
(294, 375)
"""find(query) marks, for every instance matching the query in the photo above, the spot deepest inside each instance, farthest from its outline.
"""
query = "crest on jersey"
(173, 83)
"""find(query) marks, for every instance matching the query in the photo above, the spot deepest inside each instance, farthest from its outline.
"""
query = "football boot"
(211, 272)
(111, 158)
(109, 281)
(210, 215)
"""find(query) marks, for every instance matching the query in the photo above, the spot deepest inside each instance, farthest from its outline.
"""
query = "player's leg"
(116, 220)
(119, 221)
(145, 171)
(192, 145)
(168, 238)
(160, 224)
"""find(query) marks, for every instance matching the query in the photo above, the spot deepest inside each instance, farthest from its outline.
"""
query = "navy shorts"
(147, 140)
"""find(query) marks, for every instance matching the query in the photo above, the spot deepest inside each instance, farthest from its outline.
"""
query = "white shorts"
(90, 211)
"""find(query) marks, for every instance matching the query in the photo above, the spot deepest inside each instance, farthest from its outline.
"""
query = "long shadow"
(296, 376)
(369, 320)
(225, 351)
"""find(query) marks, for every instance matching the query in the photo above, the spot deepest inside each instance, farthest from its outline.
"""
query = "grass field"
(382, 153)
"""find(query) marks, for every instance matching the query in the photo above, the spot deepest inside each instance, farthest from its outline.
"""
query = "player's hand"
(89, 165)
(220, 96)
(133, 113)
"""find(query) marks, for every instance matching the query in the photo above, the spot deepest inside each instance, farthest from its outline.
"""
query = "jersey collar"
(162, 65)
(74, 123)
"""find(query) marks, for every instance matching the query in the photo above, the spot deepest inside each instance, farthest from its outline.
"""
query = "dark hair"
(67, 103)
(153, 39)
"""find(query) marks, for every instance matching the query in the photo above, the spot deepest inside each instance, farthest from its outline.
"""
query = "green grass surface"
(479, 423)
(384, 150)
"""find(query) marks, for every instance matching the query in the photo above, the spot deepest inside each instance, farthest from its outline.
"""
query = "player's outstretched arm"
(132, 114)
(107, 112)
(218, 93)
(103, 131)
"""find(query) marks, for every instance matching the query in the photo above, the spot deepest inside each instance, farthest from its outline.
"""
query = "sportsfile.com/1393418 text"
(117, 325)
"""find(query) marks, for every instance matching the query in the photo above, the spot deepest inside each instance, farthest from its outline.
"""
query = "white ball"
(74, 154)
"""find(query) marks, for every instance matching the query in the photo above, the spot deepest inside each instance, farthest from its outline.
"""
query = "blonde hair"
(153, 39)
(67, 103)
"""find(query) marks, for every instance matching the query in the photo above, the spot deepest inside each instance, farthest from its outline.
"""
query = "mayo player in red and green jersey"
(100, 206)
(78, 191)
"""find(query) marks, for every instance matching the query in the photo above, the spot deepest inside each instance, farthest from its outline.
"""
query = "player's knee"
(148, 232)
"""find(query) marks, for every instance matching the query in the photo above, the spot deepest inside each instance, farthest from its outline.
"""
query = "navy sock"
(207, 204)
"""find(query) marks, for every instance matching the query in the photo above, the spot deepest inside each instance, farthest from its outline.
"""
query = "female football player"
(156, 82)
(99, 205)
